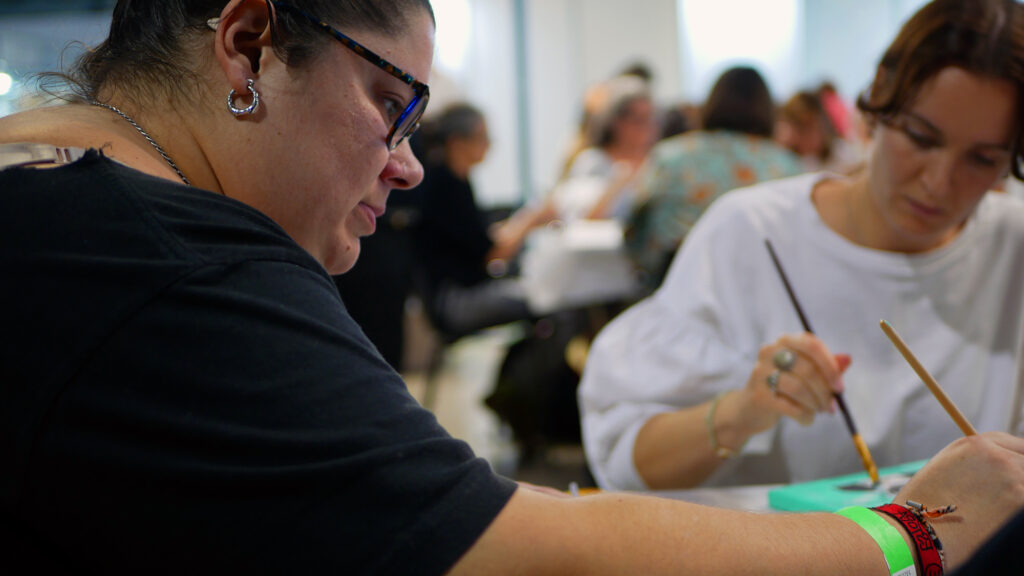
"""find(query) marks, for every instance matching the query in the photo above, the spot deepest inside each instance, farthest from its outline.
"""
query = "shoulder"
(82, 126)
(747, 215)
(724, 147)
(589, 161)
(1001, 206)
(770, 199)
(1001, 213)
(680, 144)
(103, 207)
(767, 151)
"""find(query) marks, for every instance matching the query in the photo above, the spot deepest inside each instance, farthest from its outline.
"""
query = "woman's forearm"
(629, 534)
(620, 533)
(675, 450)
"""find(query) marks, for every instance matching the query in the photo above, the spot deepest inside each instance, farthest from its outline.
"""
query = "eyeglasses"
(409, 120)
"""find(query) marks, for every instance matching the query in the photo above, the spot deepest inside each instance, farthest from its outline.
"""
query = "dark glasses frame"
(408, 121)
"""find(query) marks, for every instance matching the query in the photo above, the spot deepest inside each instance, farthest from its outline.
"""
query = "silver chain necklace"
(147, 137)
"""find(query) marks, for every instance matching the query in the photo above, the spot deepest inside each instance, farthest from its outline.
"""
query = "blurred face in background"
(472, 148)
(934, 161)
(637, 127)
(805, 139)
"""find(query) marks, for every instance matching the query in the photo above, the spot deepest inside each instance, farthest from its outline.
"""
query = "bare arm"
(673, 450)
(509, 234)
(625, 177)
(630, 534)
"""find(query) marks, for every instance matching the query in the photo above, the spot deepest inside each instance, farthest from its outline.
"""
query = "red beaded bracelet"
(927, 548)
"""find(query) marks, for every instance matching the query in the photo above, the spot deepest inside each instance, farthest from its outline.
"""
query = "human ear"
(242, 36)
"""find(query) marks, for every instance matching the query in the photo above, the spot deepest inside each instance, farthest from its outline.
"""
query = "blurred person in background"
(463, 257)
(602, 181)
(805, 128)
(594, 102)
(733, 148)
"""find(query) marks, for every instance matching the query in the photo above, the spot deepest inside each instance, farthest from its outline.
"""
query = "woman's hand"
(983, 476)
(795, 376)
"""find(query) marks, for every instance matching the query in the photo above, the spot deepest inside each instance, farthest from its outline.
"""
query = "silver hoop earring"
(248, 109)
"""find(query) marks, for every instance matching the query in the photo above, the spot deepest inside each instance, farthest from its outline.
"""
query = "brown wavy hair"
(985, 37)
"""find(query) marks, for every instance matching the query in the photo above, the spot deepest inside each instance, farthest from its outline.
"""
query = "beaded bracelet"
(929, 548)
(709, 422)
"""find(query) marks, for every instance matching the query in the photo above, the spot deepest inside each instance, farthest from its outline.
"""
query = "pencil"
(858, 442)
(937, 391)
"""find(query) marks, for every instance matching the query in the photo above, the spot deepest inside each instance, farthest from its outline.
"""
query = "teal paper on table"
(831, 494)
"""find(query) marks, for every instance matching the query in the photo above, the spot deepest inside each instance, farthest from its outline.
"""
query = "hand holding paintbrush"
(858, 442)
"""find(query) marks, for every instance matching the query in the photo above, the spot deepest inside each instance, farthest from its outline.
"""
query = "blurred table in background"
(578, 264)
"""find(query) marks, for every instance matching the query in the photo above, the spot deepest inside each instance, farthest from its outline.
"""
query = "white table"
(579, 264)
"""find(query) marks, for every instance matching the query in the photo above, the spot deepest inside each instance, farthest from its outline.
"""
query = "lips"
(371, 213)
(925, 209)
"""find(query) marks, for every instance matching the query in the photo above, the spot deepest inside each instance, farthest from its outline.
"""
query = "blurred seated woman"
(463, 259)
(603, 179)
(688, 172)
(803, 126)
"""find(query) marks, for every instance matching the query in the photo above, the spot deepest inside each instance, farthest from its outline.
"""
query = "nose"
(938, 174)
(403, 170)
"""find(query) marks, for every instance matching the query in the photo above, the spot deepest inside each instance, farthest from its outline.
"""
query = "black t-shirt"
(452, 238)
(182, 389)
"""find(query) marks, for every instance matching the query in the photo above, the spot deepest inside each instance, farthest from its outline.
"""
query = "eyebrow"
(941, 135)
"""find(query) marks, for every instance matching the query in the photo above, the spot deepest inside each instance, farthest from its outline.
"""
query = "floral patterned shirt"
(687, 173)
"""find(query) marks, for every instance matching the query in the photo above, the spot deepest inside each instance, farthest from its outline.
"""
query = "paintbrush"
(858, 442)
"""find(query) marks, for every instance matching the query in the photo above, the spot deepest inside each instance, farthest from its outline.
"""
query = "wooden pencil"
(929, 381)
(858, 442)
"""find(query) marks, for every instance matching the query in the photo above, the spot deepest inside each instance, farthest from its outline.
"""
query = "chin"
(343, 259)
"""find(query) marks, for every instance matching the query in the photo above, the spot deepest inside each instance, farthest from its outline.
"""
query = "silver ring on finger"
(784, 359)
(773, 381)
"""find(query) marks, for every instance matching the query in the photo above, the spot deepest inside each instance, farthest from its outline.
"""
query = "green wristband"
(897, 554)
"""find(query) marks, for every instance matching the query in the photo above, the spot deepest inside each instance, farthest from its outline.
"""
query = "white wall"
(35, 43)
(487, 79)
(717, 34)
(848, 38)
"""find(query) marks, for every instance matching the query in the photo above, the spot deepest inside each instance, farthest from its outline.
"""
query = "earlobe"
(242, 36)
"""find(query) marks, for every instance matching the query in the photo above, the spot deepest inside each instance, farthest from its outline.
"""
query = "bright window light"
(455, 22)
(720, 33)
(5, 83)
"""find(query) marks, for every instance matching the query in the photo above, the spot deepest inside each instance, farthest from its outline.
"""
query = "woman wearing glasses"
(206, 402)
